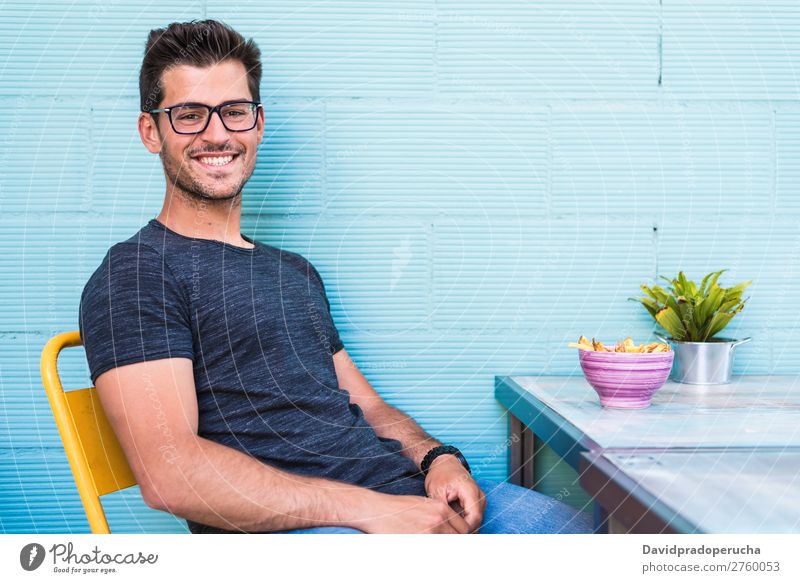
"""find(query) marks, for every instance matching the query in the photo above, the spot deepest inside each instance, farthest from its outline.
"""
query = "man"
(218, 363)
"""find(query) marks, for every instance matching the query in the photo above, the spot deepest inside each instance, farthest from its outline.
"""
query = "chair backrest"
(95, 456)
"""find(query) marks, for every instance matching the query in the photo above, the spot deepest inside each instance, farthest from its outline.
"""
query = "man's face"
(182, 155)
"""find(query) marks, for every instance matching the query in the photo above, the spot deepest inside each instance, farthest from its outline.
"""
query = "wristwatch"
(441, 450)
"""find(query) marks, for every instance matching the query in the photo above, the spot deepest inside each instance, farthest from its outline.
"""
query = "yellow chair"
(97, 460)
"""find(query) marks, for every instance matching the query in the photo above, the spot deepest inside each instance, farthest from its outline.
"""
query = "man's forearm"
(390, 422)
(219, 486)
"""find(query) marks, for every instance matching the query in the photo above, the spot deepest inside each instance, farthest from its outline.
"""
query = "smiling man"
(217, 360)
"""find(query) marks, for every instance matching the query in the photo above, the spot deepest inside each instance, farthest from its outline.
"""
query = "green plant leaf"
(691, 290)
(661, 294)
(739, 308)
(718, 322)
(710, 305)
(671, 322)
(656, 292)
(686, 313)
(672, 302)
(671, 287)
(703, 284)
(648, 291)
(737, 290)
(650, 304)
(683, 283)
(729, 305)
(715, 277)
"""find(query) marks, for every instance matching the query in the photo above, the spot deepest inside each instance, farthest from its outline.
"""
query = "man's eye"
(188, 117)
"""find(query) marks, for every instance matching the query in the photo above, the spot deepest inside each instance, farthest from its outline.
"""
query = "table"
(700, 490)
(565, 413)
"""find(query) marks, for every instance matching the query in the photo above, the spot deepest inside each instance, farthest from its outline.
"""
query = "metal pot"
(703, 363)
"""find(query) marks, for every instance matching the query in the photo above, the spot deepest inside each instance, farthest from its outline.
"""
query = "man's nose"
(216, 129)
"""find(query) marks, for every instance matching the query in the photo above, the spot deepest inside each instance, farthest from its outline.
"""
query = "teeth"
(216, 160)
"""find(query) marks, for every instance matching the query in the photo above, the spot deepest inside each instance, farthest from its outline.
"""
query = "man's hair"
(197, 43)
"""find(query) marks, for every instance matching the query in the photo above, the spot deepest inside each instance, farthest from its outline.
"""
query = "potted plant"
(693, 315)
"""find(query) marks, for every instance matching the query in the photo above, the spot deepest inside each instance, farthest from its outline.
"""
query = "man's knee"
(514, 509)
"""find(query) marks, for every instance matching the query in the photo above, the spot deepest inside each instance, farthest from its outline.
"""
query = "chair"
(95, 456)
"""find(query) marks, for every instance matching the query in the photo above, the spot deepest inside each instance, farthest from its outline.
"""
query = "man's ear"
(149, 133)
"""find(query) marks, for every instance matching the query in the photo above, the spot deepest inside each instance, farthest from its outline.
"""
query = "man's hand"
(409, 514)
(450, 482)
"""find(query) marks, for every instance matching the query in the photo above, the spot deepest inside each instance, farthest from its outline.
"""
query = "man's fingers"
(473, 516)
(466, 503)
(456, 506)
(473, 510)
(459, 524)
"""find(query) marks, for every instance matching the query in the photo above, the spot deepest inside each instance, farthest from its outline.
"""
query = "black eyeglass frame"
(217, 108)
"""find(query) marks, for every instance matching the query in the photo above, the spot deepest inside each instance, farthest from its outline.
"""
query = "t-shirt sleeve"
(132, 310)
(336, 341)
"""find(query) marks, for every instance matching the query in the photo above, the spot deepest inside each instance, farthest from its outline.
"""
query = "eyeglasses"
(193, 118)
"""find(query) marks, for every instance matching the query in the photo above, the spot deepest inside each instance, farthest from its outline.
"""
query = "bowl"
(626, 380)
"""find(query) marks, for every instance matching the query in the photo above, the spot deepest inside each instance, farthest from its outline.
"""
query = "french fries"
(626, 345)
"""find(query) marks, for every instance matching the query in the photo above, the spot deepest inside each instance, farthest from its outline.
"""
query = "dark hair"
(197, 43)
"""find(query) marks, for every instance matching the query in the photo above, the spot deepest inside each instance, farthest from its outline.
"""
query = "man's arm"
(387, 421)
(152, 407)
(447, 479)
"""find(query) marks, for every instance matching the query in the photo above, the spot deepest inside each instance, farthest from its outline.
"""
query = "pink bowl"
(626, 380)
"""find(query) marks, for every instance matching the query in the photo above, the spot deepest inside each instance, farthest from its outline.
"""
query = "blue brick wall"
(478, 183)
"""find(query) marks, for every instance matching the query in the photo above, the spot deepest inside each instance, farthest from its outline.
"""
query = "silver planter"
(703, 363)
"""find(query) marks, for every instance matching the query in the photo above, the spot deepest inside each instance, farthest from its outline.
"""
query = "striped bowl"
(626, 380)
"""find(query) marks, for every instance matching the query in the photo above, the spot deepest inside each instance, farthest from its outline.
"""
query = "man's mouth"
(216, 161)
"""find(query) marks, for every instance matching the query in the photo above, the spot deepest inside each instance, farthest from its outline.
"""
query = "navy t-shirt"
(257, 325)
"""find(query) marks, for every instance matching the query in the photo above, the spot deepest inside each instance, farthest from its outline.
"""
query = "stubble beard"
(195, 192)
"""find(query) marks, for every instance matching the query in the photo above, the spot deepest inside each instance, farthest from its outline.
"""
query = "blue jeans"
(510, 509)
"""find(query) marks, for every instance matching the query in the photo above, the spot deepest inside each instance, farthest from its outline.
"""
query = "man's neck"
(204, 221)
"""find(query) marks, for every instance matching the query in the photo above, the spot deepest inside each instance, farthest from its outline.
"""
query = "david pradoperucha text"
(699, 550)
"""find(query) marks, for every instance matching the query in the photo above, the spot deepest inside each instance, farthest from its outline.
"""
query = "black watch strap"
(435, 452)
